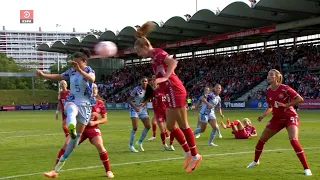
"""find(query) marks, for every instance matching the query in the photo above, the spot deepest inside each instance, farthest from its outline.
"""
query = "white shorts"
(206, 117)
(141, 115)
(84, 113)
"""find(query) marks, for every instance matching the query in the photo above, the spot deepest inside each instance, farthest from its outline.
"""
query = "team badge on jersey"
(281, 96)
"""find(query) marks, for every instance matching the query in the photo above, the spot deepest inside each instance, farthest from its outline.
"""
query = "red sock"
(258, 151)
(105, 160)
(171, 139)
(235, 122)
(178, 134)
(154, 129)
(65, 130)
(191, 141)
(60, 153)
(299, 151)
(163, 138)
(166, 133)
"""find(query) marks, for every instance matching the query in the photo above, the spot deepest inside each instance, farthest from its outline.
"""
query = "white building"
(21, 46)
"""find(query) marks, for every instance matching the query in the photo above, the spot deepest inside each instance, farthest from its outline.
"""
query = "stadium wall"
(253, 104)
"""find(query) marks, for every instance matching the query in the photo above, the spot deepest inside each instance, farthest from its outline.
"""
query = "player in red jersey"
(169, 83)
(159, 108)
(240, 130)
(63, 94)
(93, 133)
(281, 99)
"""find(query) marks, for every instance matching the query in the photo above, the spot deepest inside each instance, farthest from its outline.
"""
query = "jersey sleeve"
(291, 92)
(134, 92)
(66, 75)
(219, 104)
(209, 97)
(89, 70)
(102, 107)
(161, 55)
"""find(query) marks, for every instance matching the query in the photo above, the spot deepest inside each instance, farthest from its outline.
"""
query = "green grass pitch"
(30, 141)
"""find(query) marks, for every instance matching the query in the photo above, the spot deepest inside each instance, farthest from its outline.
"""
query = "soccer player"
(240, 130)
(198, 106)
(159, 108)
(93, 133)
(63, 94)
(138, 99)
(154, 129)
(207, 113)
(170, 84)
(281, 100)
(80, 100)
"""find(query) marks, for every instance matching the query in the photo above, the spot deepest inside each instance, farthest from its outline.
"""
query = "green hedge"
(19, 97)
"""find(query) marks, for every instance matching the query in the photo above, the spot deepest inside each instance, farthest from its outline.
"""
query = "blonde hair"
(217, 85)
(278, 75)
(246, 119)
(141, 34)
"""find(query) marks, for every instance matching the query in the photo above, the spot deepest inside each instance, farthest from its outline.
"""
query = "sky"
(98, 14)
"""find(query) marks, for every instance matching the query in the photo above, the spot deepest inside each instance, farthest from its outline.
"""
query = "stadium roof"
(235, 17)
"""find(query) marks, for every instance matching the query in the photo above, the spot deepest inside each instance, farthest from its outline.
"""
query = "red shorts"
(160, 117)
(89, 133)
(240, 134)
(276, 124)
(176, 99)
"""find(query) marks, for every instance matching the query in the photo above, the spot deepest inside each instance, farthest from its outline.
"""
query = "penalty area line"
(154, 160)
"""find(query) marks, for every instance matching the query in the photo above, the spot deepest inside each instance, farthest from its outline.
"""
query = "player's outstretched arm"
(49, 76)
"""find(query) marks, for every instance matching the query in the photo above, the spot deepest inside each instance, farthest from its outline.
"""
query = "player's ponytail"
(144, 30)
(149, 93)
(141, 34)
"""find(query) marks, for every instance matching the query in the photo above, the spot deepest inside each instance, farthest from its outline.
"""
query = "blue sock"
(132, 135)
(197, 131)
(212, 135)
(143, 135)
(73, 143)
(198, 125)
(218, 130)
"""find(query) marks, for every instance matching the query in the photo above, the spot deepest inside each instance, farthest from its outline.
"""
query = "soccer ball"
(106, 49)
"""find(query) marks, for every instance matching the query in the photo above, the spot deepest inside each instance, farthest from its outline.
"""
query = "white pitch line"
(154, 160)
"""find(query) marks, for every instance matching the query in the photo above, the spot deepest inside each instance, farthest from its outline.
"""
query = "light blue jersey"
(138, 95)
(80, 89)
(81, 93)
(206, 113)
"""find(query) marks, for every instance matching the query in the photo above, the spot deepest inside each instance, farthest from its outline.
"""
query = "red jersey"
(159, 101)
(250, 129)
(62, 98)
(283, 94)
(160, 68)
(98, 108)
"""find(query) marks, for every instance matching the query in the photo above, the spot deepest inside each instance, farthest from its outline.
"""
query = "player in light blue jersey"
(198, 107)
(139, 97)
(207, 113)
(77, 106)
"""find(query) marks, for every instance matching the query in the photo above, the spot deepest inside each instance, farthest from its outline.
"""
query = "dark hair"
(83, 53)
(149, 91)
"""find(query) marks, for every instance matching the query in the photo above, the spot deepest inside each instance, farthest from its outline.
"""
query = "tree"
(52, 84)
(9, 65)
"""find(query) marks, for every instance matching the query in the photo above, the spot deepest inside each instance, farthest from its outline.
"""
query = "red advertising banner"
(8, 108)
(310, 104)
(210, 39)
